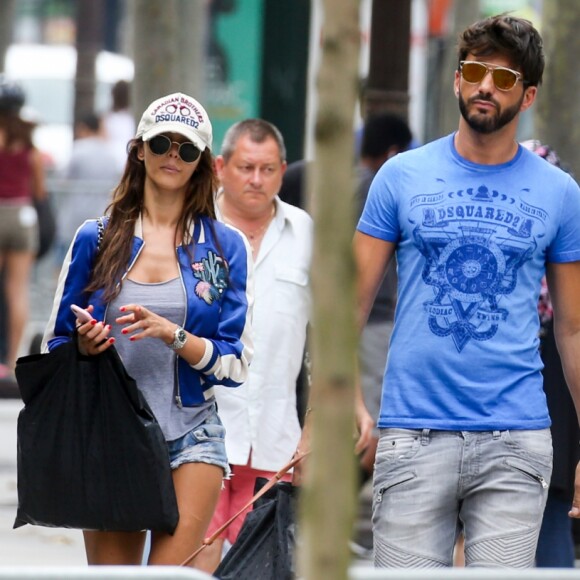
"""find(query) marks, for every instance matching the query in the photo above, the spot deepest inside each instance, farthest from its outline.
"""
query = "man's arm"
(372, 256)
(564, 287)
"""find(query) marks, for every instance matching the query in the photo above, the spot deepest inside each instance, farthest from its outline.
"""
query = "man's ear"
(529, 98)
(219, 163)
(456, 81)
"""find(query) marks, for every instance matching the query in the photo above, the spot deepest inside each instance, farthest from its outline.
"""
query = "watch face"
(181, 336)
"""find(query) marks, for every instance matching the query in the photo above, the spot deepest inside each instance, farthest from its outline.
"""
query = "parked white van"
(46, 73)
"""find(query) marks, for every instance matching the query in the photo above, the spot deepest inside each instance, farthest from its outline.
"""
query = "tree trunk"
(442, 110)
(6, 27)
(192, 43)
(558, 106)
(168, 44)
(388, 82)
(89, 41)
(328, 499)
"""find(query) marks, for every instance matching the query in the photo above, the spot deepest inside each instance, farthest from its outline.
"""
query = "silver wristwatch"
(179, 339)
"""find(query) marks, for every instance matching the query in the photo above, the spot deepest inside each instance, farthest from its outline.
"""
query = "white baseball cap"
(177, 113)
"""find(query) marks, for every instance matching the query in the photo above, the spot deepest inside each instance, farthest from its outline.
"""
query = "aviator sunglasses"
(504, 79)
(161, 144)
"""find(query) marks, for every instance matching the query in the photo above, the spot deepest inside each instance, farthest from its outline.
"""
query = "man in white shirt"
(261, 419)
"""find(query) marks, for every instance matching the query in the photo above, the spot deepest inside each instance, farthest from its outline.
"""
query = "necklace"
(254, 236)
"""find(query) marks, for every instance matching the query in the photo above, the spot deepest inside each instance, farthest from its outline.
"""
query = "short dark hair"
(258, 130)
(516, 38)
(12, 96)
(383, 131)
(121, 95)
(90, 120)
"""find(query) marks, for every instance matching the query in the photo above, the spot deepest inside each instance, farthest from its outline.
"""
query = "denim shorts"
(429, 485)
(203, 444)
(18, 228)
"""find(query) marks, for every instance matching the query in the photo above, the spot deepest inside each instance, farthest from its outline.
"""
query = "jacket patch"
(212, 274)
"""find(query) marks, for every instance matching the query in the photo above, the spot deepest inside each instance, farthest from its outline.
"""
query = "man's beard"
(489, 123)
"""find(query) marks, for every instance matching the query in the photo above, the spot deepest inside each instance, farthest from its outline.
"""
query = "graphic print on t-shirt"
(474, 241)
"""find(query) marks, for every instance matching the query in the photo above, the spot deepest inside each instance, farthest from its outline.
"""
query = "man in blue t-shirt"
(475, 221)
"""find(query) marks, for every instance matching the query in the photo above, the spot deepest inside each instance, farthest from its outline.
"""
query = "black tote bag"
(90, 453)
(264, 549)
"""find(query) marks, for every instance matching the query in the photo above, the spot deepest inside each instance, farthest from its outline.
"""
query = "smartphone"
(81, 313)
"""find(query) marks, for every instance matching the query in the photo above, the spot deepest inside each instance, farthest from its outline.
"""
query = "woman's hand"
(142, 323)
(93, 336)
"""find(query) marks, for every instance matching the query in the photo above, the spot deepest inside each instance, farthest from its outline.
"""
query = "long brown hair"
(124, 210)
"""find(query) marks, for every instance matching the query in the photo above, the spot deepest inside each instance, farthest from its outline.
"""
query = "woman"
(171, 288)
(21, 181)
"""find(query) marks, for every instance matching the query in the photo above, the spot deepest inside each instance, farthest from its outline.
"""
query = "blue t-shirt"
(472, 243)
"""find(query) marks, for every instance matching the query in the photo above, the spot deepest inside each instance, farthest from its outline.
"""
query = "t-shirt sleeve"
(379, 217)
(566, 245)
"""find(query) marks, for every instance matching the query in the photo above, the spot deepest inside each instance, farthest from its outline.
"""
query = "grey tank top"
(150, 362)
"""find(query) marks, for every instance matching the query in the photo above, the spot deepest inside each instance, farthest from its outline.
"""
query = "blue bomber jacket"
(219, 300)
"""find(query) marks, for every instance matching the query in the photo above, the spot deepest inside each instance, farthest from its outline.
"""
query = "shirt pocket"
(291, 289)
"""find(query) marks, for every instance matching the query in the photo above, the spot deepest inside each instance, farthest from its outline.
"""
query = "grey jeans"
(428, 485)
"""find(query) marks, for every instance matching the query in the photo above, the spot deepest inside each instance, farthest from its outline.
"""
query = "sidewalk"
(28, 545)
(41, 546)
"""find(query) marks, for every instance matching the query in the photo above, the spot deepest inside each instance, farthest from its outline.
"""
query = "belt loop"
(496, 434)
(425, 436)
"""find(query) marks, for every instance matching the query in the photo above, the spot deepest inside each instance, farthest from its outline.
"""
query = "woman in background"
(21, 182)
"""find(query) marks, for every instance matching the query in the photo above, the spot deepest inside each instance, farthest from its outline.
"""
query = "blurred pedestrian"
(92, 156)
(476, 220)
(91, 174)
(119, 121)
(172, 288)
(294, 186)
(21, 182)
(556, 542)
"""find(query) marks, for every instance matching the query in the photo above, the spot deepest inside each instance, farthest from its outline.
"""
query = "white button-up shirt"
(260, 416)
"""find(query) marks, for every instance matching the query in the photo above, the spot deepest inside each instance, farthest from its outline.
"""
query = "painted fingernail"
(109, 327)
(124, 331)
(93, 322)
(122, 309)
(111, 340)
(132, 338)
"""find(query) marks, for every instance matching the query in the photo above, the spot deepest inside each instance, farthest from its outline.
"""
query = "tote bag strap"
(271, 483)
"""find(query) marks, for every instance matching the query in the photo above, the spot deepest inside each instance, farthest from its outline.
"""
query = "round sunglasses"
(161, 144)
(504, 79)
